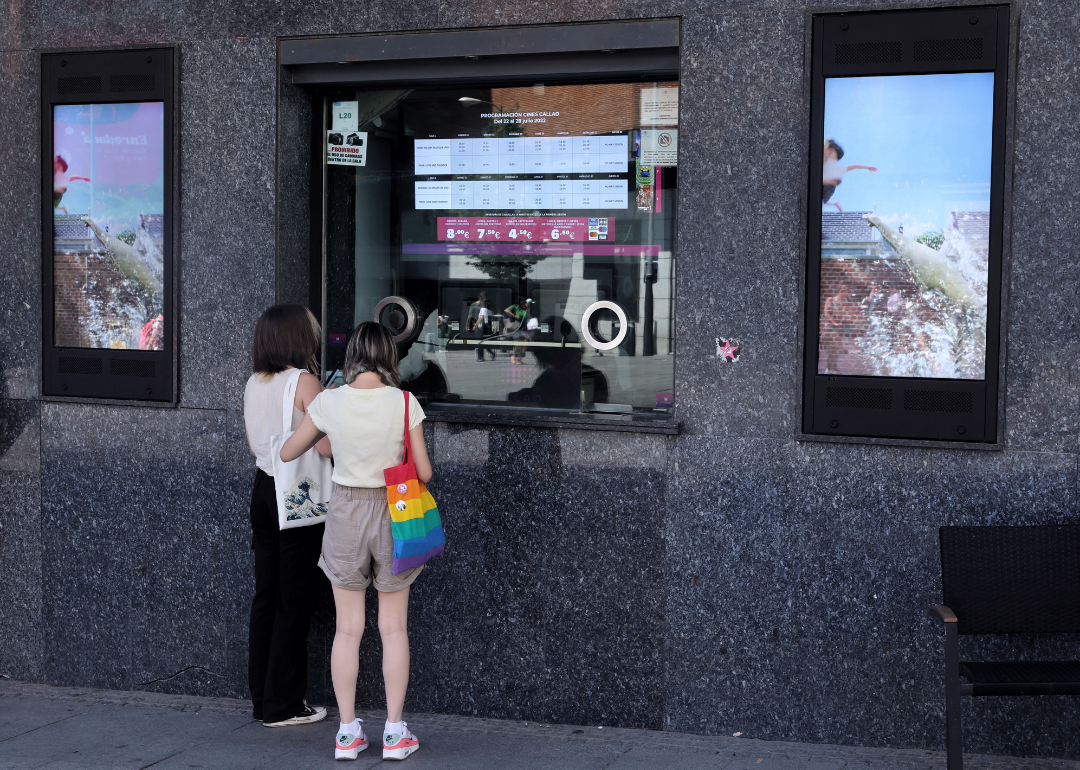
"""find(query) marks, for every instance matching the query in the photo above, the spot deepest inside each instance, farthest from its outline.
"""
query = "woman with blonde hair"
(365, 422)
(286, 573)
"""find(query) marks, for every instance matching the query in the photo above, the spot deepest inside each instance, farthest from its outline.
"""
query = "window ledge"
(573, 420)
(909, 442)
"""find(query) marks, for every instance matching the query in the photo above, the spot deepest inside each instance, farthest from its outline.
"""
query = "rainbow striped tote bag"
(414, 517)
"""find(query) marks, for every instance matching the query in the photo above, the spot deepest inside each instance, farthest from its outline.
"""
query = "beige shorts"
(358, 540)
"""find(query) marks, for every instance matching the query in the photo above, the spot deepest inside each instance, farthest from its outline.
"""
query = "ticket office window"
(517, 240)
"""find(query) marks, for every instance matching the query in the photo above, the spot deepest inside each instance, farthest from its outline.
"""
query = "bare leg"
(393, 627)
(345, 654)
(837, 206)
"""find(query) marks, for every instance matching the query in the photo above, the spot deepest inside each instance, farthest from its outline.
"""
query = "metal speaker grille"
(72, 365)
(132, 367)
(88, 84)
(121, 84)
(858, 398)
(868, 53)
(938, 401)
(959, 49)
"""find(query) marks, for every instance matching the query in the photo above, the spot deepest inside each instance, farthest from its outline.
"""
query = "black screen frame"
(871, 418)
(98, 373)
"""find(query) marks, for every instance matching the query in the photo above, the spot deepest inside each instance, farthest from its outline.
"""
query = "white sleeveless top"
(262, 414)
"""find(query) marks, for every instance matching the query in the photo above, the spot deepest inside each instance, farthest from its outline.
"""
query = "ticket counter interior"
(518, 240)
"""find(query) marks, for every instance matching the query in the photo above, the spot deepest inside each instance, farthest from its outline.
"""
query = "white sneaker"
(309, 715)
(348, 746)
(399, 745)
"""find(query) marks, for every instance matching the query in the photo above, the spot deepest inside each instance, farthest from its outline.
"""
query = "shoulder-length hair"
(372, 349)
(286, 336)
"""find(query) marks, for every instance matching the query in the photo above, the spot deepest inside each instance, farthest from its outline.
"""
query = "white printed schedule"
(589, 172)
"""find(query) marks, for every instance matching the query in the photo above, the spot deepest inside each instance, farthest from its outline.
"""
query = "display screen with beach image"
(905, 225)
(108, 225)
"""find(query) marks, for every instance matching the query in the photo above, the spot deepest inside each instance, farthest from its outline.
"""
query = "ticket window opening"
(482, 225)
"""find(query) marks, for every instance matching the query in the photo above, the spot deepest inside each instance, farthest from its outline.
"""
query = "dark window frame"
(819, 419)
(645, 49)
(142, 376)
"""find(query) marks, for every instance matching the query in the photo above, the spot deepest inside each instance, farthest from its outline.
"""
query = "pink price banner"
(530, 229)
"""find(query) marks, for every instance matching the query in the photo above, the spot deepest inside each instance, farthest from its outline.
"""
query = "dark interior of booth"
(517, 237)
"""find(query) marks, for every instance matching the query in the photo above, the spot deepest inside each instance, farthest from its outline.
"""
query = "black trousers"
(286, 588)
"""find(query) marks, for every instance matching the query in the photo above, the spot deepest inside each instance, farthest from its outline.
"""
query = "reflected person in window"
(479, 323)
(519, 314)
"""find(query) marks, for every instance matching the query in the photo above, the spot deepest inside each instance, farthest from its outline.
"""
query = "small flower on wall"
(727, 350)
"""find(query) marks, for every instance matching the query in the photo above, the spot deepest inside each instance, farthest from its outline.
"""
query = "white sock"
(394, 727)
(353, 728)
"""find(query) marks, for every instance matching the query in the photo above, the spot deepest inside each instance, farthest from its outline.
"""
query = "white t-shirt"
(366, 428)
(833, 169)
(262, 414)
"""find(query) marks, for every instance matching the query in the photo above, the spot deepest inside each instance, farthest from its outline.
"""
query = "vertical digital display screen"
(108, 225)
(905, 225)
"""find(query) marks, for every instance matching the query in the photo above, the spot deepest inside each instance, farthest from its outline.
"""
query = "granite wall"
(729, 579)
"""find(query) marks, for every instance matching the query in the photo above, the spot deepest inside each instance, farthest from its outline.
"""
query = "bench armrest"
(944, 613)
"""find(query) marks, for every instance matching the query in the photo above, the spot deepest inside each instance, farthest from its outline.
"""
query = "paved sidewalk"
(68, 728)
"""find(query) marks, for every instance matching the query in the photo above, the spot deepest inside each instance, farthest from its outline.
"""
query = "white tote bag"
(303, 486)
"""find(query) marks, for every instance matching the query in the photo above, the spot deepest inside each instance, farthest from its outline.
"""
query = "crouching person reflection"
(364, 421)
(286, 572)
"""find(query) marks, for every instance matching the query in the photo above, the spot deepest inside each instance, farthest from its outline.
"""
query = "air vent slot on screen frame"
(132, 367)
(123, 84)
(88, 84)
(868, 53)
(938, 401)
(858, 398)
(958, 49)
(78, 365)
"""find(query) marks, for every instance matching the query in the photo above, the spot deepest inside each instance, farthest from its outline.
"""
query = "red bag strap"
(405, 454)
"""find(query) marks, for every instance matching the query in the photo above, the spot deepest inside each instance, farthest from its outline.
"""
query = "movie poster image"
(905, 225)
(108, 225)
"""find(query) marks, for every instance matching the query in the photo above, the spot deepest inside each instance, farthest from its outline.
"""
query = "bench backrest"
(1002, 580)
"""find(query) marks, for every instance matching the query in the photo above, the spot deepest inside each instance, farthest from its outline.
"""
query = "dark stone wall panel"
(741, 238)
(800, 573)
(227, 215)
(270, 18)
(20, 575)
(20, 236)
(1043, 406)
(383, 15)
(549, 602)
(132, 540)
(95, 23)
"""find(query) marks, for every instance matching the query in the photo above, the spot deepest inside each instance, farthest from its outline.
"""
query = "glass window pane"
(905, 225)
(518, 240)
(108, 225)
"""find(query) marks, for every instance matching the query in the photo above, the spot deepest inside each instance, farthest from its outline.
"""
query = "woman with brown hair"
(286, 572)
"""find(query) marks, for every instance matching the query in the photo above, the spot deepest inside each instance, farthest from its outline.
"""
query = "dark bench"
(1007, 580)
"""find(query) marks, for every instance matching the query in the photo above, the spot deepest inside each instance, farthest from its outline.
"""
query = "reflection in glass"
(108, 225)
(905, 225)
(498, 216)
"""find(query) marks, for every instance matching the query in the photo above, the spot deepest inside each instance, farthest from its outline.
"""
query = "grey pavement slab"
(71, 728)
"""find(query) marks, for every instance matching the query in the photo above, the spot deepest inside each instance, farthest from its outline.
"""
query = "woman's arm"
(306, 436)
(419, 453)
(306, 390)
(868, 168)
